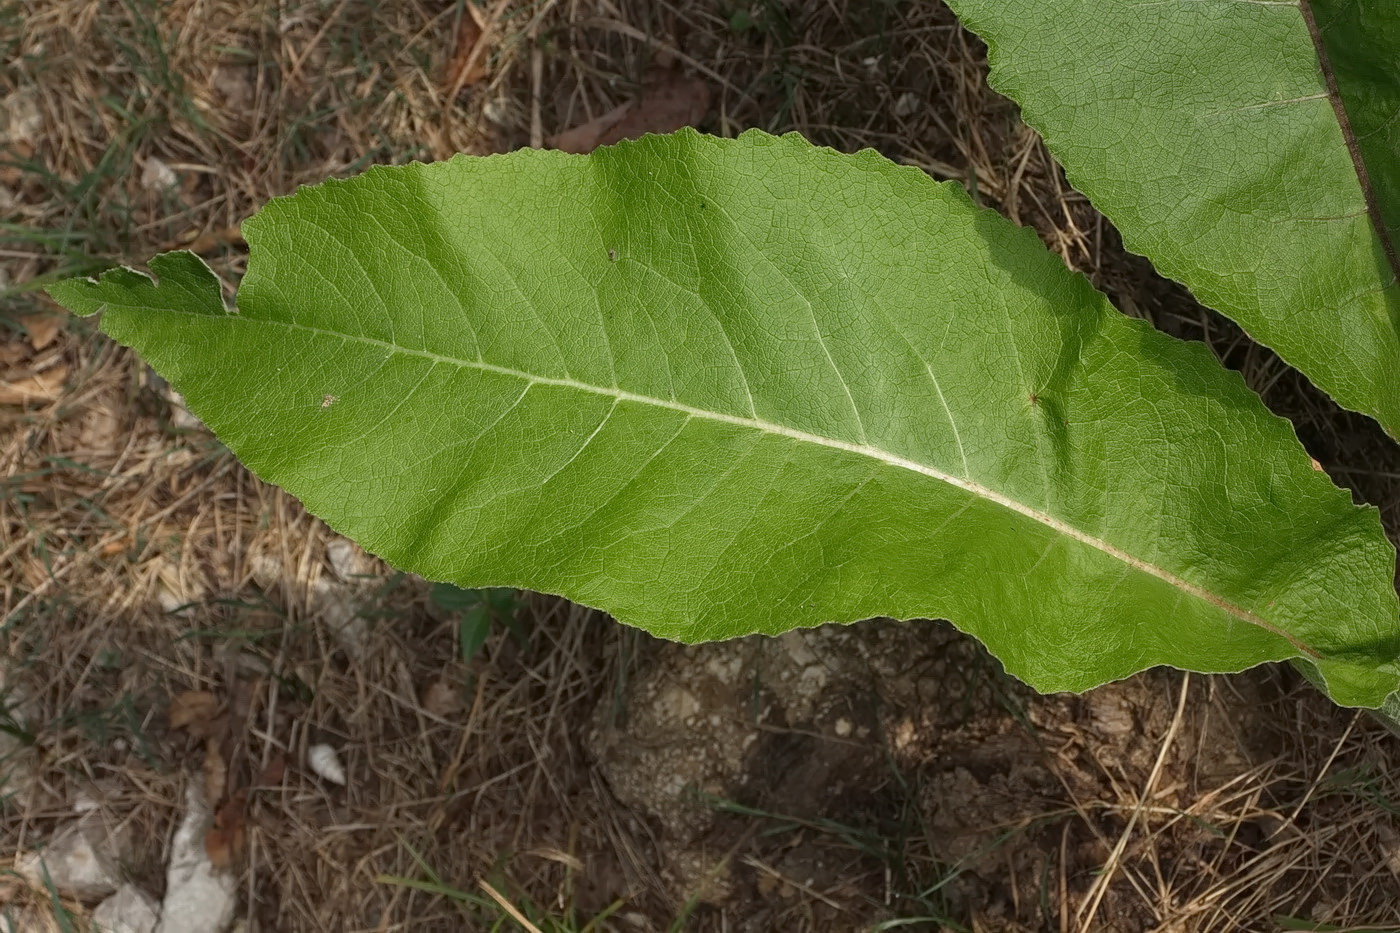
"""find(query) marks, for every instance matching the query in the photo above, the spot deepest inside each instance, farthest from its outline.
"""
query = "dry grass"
(138, 560)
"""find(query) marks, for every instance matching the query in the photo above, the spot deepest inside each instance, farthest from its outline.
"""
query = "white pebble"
(326, 764)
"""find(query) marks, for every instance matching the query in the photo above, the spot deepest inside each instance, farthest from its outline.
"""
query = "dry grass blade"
(509, 908)
(46, 386)
(468, 65)
(1090, 908)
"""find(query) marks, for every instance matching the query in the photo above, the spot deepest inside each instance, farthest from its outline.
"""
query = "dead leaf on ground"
(226, 839)
(272, 775)
(468, 65)
(664, 107)
(583, 138)
(197, 712)
(40, 387)
(441, 699)
(41, 328)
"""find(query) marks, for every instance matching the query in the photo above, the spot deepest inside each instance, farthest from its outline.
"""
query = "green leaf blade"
(1204, 130)
(718, 387)
(1361, 42)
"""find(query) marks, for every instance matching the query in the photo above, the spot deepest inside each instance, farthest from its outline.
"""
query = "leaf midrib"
(1358, 162)
(865, 450)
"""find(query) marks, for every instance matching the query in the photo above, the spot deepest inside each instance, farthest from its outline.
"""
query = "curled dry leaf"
(664, 107)
(584, 138)
(195, 711)
(441, 699)
(272, 774)
(226, 839)
(325, 763)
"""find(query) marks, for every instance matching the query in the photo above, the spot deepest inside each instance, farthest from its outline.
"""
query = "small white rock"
(497, 111)
(20, 118)
(199, 898)
(81, 862)
(266, 569)
(180, 416)
(347, 560)
(157, 176)
(130, 910)
(907, 103)
(338, 606)
(326, 764)
(18, 771)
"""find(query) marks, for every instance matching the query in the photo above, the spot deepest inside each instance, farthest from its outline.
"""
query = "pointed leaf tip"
(180, 281)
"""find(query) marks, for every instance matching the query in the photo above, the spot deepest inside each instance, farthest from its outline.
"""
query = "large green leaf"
(1206, 131)
(727, 386)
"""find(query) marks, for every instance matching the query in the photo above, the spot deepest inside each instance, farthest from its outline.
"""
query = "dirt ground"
(171, 624)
